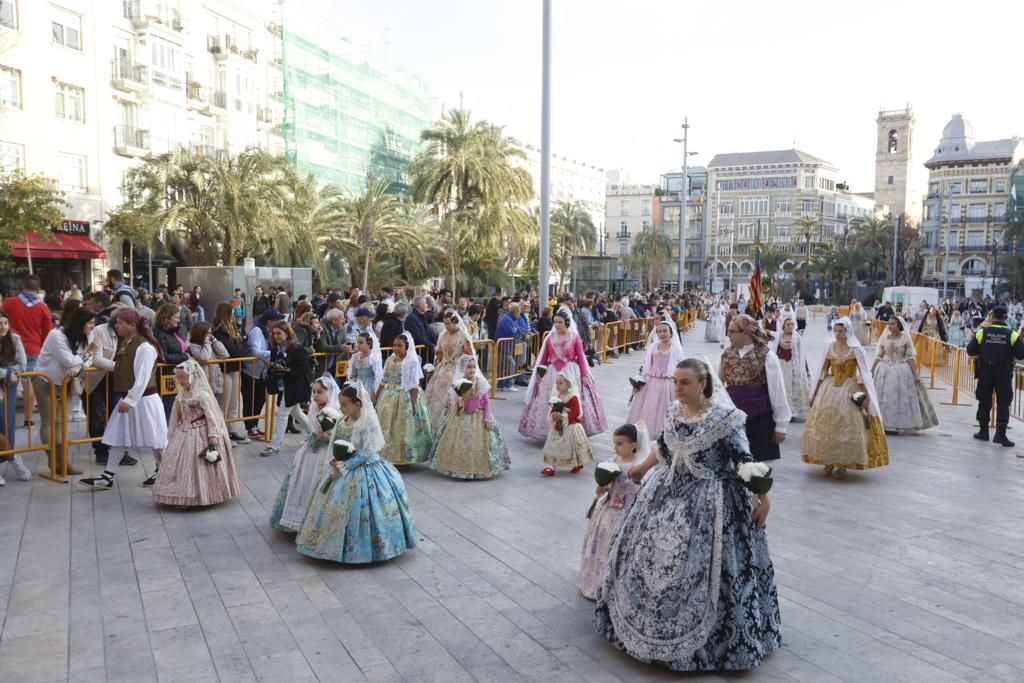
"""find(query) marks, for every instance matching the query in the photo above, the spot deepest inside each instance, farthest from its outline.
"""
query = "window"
(623, 248)
(955, 187)
(977, 213)
(828, 207)
(10, 87)
(644, 225)
(999, 210)
(808, 209)
(645, 208)
(893, 145)
(929, 212)
(929, 267)
(976, 239)
(933, 188)
(754, 206)
(72, 172)
(951, 267)
(890, 181)
(166, 60)
(809, 182)
(782, 231)
(782, 208)
(979, 186)
(70, 102)
(12, 157)
(9, 13)
(1000, 186)
(954, 211)
(66, 28)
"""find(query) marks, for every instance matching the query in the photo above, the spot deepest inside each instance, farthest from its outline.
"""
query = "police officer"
(994, 348)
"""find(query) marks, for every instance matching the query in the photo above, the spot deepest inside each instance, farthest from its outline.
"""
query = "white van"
(908, 299)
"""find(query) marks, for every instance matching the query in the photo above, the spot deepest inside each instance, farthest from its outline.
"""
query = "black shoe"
(152, 480)
(1000, 438)
(292, 430)
(128, 460)
(982, 434)
(104, 482)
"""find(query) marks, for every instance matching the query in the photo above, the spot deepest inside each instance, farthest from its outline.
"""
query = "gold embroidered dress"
(835, 433)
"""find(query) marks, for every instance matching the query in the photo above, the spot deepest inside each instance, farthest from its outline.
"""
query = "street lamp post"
(718, 229)
(684, 196)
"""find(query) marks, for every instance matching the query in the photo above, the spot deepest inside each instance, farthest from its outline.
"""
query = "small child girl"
(365, 366)
(361, 512)
(567, 444)
(402, 407)
(310, 463)
(469, 443)
(187, 478)
(629, 440)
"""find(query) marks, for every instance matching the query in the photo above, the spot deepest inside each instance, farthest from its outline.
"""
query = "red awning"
(61, 245)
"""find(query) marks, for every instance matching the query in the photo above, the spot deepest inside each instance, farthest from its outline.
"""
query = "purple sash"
(753, 401)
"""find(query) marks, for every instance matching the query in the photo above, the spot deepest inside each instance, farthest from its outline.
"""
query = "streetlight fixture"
(684, 198)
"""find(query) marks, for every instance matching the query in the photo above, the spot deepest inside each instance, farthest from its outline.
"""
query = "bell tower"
(895, 189)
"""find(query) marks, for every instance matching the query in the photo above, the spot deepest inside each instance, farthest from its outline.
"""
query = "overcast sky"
(750, 75)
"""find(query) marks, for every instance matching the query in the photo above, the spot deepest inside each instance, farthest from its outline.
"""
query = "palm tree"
(576, 234)
(805, 226)
(874, 236)
(653, 249)
(771, 262)
(312, 215)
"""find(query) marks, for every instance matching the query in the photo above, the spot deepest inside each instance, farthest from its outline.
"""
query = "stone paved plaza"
(908, 573)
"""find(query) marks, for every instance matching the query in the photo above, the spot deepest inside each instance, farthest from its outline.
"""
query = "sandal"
(547, 472)
(577, 469)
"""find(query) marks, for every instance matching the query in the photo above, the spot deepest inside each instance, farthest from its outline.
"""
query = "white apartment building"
(762, 195)
(571, 180)
(88, 89)
(629, 209)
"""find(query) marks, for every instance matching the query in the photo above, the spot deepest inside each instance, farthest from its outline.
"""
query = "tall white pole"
(682, 205)
(718, 229)
(545, 159)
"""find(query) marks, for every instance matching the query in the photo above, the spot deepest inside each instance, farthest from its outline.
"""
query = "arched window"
(893, 141)
(973, 267)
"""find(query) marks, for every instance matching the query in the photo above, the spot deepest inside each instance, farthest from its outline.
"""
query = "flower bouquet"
(343, 450)
(211, 455)
(328, 418)
(541, 371)
(462, 386)
(860, 400)
(558, 407)
(637, 381)
(756, 477)
(604, 474)
(428, 369)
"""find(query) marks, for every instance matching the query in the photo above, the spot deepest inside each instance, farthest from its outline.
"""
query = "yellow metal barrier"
(58, 471)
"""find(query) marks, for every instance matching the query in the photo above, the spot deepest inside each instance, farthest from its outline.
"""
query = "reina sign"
(73, 227)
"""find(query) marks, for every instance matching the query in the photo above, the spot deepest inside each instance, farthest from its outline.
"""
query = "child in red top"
(567, 444)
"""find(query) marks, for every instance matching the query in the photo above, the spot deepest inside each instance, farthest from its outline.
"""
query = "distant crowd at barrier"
(57, 351)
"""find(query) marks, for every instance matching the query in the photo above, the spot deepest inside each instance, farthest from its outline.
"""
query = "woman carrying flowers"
(402, 408)
(689, 582)
(310, 462)
(654, 395)
(844, 430)
(197, 467)
(360, 512)
(452, 344)
(469, 444)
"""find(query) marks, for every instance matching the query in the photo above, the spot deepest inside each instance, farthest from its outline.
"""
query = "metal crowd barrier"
(48, 447)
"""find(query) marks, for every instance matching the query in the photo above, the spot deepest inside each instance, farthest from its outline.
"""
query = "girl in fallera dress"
(310, 462)
(402, 408)
(615, 499)
(904, 405)
(789, 347)
(452, 343)
(651, 401)
(567, 444)
(469, 444)
(187, 478)
(366, 365)
(839, 434)
(956, 334)
(364, 514)
(859, 320)
(561, 348)
(713, 330)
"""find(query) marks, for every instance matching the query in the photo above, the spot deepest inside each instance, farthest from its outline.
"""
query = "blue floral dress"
(361, 370)
(689, 583)
(364, 516)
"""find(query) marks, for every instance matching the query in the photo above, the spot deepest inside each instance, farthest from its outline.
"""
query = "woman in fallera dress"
(956, 334)
(839, 435)
(650, 403)
(903, 401)
(690, 583)
(366, 365)
(310, 463)
(452, 343)
(363, 516)
(469, 444)
(715, 327)
(402, 408)
(860, 324)
(931, 325)
(187, 478)
(796, 374)
(561, 347)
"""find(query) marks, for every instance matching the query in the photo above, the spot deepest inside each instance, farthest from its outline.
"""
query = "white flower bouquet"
(604, 474)
(428, 369)
(343, 450)
(328, 418)
(860, 400)
(211, 455)
(756, 477)
(462, 386)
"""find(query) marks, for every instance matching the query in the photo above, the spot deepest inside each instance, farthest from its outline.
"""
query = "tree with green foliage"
(652, 249)
(28, 203)
(574, 235)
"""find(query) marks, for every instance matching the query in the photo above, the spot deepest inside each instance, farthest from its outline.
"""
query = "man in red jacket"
(32, 321)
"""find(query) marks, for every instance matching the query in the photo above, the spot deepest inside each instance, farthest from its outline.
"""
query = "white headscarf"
(480, 383)
(796, 346)
(412, 373)
(787, 312)
(675, 353)
(862, 364)
(564, 308)
(367, 435)
(375, 359)
(531, 389)
(571, 372)
(328, 383)
(198, 392)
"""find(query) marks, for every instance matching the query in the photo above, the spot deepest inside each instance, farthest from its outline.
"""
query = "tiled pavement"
(910, 573)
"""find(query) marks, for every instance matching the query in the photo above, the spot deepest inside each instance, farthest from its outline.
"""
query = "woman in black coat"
(391, 326)
(289, 378)
(174, 348)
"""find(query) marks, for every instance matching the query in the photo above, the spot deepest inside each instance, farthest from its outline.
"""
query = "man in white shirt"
(753, 378)
(98, 385)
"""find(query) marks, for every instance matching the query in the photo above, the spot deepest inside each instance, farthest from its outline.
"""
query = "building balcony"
(127, 76)
(219, 99)
(144, 14)
(226, 47)
(623, 234)
(130, 141)
(265, 116)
